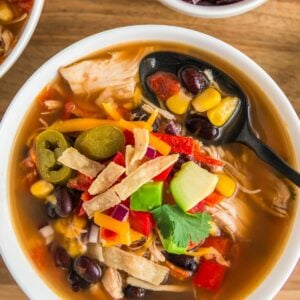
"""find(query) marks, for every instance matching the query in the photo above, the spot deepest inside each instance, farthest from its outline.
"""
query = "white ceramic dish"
(222, 11)
(24, 38)
(19, 266)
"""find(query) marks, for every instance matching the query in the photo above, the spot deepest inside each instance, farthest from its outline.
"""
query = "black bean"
(134, 292)
(201, 127)
(183, 261)
(76, 282)
(183, 158)
(173, 128)
(62, 259)
(193, 80)
(65, 204)
(87, 269)
(50, 210)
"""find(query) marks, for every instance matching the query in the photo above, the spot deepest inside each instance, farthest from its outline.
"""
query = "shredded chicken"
(135, 265)
(76, 161)
(112, 282)
(109, 74)
(150, 107)
(106, 178)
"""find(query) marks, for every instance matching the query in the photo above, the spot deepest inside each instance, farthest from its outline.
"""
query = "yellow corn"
(226, 185)
(6, 14)
(75, 248)
(179, 103)
(220, 114)
(51, 198)
(41, 189)
(207, 100)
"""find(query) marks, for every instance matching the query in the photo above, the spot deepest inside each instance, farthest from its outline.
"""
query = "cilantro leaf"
(182, 228)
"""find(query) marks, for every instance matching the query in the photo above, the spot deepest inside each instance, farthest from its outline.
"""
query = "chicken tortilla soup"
(116, 196)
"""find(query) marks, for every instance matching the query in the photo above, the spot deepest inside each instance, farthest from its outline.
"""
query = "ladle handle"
(248, 138)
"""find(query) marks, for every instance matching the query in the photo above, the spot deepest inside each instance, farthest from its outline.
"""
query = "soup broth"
(252, 255)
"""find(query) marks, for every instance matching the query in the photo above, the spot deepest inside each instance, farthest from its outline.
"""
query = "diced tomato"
(129, 137)
(119, 159)
(107, 234)
(163, 175)
(164, 85)
(198, 207)
(220, 243)
(81, 182)
(179, 144)
(38, 254)
(201, 158)
(210, 275)
(142, 222)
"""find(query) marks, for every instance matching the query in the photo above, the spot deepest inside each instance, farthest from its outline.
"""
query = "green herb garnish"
(180, 227)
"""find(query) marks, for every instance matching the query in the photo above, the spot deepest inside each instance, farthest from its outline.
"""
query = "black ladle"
(238, 128)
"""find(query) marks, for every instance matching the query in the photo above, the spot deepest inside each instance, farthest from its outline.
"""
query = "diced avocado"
(192, 184)
(170, 246)
(147, 197)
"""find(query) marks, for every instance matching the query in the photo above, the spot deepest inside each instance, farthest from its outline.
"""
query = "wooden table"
(270, 35)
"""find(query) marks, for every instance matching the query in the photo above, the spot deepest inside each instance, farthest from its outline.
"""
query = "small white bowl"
(213, 12)
(12, 253)
(24, 38)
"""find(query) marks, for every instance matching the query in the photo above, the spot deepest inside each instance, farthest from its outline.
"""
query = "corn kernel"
(226, 185)
(79, 222)
(207, 100)
(75, 248)
(6, 14)
(41, 189)
(52, 199)
(220, 114)
(179, 103)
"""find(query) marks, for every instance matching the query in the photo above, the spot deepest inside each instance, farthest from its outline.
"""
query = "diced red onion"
(48, 234)
(94, 234)
(151, 153)
(120, 212)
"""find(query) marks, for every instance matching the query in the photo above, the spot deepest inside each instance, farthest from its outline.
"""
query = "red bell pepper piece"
(142, 222)
(119, 159)
(213, 199)
(163, 175)
(204, 159)
(210, 274)
(179, 144)
(129, 137)
(164, 85)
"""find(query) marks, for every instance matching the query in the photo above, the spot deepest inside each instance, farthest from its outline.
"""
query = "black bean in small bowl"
(212, 8)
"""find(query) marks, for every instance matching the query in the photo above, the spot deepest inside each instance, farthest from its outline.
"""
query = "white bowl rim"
(15, 259)
(222, 11)
(24, 38)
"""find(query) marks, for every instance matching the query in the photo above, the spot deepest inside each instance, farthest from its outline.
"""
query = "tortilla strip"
(144, 174)
(76, 161)
(101, 202)
(141, 142)
(136, 266)
(130, 165)
(106, 178)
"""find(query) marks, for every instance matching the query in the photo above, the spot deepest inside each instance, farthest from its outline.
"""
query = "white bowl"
(15, 259)
(212, 12)
(24, 38)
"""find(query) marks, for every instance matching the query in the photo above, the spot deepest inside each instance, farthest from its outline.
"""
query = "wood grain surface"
(270, 35)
